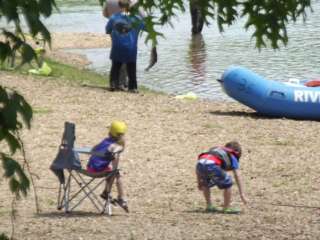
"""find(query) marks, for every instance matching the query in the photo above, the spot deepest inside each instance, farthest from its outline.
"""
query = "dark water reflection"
(197, 59)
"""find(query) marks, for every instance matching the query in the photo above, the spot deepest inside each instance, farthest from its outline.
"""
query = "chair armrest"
(88, 150)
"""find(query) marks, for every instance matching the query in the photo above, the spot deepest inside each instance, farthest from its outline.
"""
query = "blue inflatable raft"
(272, 98)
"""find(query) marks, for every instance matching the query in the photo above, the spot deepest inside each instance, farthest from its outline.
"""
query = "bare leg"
(207, 195)
(119, 187)
(108, 186)
(227, 197)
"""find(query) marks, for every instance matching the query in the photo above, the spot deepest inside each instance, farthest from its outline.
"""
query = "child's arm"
(237, 176)
(116, 149)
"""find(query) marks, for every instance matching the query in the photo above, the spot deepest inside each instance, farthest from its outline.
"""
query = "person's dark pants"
(115, 74)
(196, 18)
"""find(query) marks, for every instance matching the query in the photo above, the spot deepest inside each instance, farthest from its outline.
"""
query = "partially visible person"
(124, 30)
(211, 170)
(111, 7)
(112, 146)
(197, 19)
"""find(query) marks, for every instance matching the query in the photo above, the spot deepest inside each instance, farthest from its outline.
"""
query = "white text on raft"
(306, 96)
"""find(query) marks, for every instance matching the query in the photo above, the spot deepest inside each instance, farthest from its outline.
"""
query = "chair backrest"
(69, 135)
(66, 157)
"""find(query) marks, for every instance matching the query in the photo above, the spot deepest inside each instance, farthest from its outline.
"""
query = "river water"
(187, 63)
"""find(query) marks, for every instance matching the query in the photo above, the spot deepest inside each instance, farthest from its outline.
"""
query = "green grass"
(75, 75)
(66, 73)
(37, 110)
(72, 75)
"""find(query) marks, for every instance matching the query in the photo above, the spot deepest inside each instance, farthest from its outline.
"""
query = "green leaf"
(45, 33)
(18, 181)
(9, 116)
(10, 9)
(23, 108)
(27, 53)
(14, 185)
(12, 142)
(3, 237)
(45, 7)
(5, 51)
(9, 165)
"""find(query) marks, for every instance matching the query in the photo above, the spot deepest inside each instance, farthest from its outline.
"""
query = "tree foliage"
(267, 18)
(14, 39)
(14, 111)
(3, 237)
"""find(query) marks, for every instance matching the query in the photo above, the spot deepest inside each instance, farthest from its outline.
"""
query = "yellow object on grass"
(188, 96)
(45, 70)
(39, 51)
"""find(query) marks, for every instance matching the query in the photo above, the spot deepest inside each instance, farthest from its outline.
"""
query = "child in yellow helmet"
(111, 146)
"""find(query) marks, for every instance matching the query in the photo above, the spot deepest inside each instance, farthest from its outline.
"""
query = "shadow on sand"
(253, 115)
(74, 214)
(96, 87)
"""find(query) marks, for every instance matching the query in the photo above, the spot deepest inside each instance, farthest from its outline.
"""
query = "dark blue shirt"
(99, 163)
(124, 31)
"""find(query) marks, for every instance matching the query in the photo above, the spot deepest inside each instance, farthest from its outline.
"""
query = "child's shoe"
(105, 195)
(212, 209)
(121, 202)
(230, 210)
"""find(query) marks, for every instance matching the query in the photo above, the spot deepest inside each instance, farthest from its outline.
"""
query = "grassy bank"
(75, 76)
(70, 74)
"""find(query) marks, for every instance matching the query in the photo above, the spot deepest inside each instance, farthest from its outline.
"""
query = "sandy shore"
(62, 41)
(280, 167)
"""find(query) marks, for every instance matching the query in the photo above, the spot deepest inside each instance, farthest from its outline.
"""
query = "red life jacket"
(220, 156)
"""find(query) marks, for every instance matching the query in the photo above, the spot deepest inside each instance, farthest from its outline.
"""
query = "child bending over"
(211, 170)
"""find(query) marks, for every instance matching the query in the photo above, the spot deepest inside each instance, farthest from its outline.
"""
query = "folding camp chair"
(67, 167)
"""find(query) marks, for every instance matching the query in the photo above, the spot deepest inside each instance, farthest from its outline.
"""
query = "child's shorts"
(213, 175)
(106, 169)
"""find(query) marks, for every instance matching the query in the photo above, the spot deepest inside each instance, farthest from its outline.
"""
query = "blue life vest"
(99, 163)
(124, 31)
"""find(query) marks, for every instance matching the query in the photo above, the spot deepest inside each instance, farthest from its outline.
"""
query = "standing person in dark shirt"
(124, 30)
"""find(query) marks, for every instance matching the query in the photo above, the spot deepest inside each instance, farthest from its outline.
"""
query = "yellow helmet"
(117, 128)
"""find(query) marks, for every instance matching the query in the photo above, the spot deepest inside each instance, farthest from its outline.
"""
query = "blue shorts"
(213, 175)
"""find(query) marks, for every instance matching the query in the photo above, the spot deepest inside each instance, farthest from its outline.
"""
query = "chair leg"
(88, 193)
(67, 195)
(59, 201)
(107, 205)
